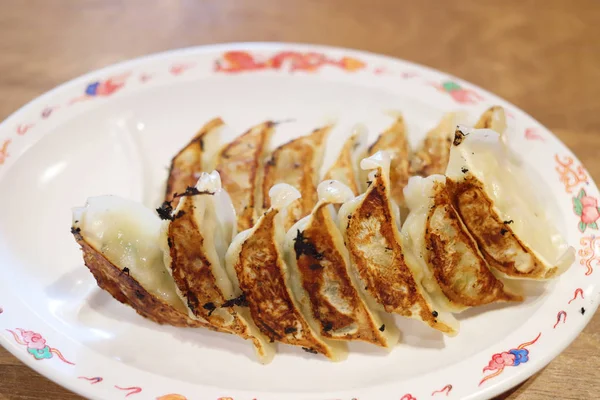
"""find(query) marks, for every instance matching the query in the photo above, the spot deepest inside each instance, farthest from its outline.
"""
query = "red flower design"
(32, 339)
(500, 360)
(590, 213)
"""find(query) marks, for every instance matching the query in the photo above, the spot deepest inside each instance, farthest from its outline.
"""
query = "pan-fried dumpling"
(370, 224)
(240, 165)
(195, 238)
(120, 243)
(344, 169)
(322, 280)
(393, 140)
(256, 264)
(493, 118)
(296, 163)
(432, 156)
(456, 274)
(195, 157)
(501, 209)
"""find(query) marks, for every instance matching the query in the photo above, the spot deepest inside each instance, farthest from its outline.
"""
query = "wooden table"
(544, 56)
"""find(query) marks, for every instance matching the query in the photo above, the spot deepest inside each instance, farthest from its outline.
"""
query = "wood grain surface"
(543, 56)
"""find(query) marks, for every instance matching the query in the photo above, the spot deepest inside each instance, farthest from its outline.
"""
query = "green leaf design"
(581, 194)
(582, 226)
(577, 206)
(593, 225)
(450, 86)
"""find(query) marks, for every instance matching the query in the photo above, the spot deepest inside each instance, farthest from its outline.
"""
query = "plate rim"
(500, 386)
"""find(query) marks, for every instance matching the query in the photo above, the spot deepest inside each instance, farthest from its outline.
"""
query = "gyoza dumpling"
(322, 280)
(195, 238)
(432, 156)
(370, 226)
(240, 165)
(195, 157)
(393, 140)
(256, 265)
(344, 169)
(493, 118)
(296, 163)
(120, 243)
(456, 274)
(502, 210)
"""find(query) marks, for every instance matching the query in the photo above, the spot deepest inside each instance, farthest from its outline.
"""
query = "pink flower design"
(587, 208)
(500, 360)
(531, 134)
(590, 213)
(32, 339)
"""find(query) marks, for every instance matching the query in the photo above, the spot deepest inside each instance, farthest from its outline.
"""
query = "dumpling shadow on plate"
(533, 291)
(416, 334)
(73, 285)
(102, 303)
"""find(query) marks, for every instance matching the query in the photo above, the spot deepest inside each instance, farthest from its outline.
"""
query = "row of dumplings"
(339, 271)
(248, 169)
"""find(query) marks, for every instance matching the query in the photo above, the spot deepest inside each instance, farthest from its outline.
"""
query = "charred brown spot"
(311, 351)
(192, 191)
(75, 231)
(327, 326)
(434, 313)
(139, 295)
(210, 307)
(464, 170)
(239, 301)
(124, 271)
(382, 328)
(165, 211)
(290, 330)
(508, 222)
(503, 231)
(458, 137)
(303, 246)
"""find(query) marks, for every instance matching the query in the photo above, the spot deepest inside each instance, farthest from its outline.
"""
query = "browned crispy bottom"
(460, 271)
(495, 238)
(262, 280)
(128, 291)
(324, 267)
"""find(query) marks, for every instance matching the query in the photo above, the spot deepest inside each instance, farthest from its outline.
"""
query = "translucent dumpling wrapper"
(370, 225)
(502, 210)
(394, 141)
(240, 165)
(195, 238)
(345, 167)
(456, 275)
(255, 261)
(297, 163)
(120, 243)
(197, 156)
(322, 280)
(432, 155)
(493, 118)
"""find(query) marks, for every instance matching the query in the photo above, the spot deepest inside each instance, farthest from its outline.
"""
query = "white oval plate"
(114, 131)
